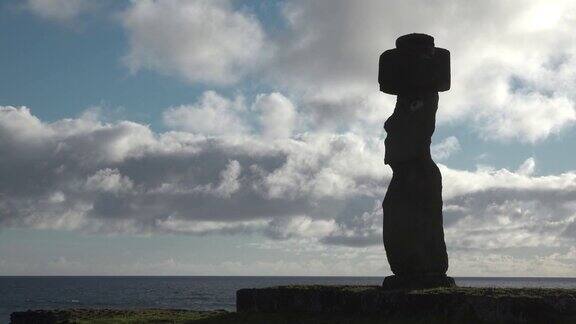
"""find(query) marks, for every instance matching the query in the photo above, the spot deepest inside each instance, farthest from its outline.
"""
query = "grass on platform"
(96, 316)
(464, 291)
(149, 316)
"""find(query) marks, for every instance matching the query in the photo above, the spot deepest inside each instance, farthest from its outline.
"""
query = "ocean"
(198, 293)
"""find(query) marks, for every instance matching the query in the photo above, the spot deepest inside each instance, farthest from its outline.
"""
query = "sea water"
(197, 293)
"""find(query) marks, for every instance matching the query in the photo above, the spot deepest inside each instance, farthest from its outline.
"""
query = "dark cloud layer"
(83, 174)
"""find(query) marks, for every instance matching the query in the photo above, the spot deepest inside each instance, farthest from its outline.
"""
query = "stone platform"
(417, 282)
(442, 305)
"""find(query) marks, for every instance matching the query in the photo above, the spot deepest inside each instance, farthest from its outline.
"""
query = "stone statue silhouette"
(413, 232)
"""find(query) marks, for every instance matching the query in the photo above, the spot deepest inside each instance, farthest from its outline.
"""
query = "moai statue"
(415, 71)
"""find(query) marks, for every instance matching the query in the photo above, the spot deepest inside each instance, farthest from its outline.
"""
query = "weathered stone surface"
(412, 229)
(442, 305)
(414, 64)
(417, 282)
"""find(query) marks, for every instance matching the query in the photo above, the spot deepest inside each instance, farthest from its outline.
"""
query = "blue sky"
(245, 137)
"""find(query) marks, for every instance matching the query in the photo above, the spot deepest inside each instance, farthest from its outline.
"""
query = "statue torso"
(409, 129)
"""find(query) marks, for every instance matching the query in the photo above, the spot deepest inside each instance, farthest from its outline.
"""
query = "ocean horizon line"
(262, 276)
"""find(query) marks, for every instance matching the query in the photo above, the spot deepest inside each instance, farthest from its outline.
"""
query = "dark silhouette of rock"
(371, 304)
(413, 233)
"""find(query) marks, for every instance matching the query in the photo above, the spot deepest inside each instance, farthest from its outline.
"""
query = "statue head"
(415, 65)
(416, 44)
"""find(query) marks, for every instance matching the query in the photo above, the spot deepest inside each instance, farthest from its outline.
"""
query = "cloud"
(277, 115)
(199, 40)
(121, 177)
(300, 226)
(272, 113)
(358, 230)
(212, 115)
(180, 226)
(500, 209)
(107, 180)
(333, 261)
(229, 179)
(478, 264)
(445, 148)
(341, 110)
(511, 62)
(510, 65)
(527, 167)
(59, 10)
(526, 117)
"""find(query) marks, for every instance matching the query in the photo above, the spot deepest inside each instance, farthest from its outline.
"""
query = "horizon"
(246, 276)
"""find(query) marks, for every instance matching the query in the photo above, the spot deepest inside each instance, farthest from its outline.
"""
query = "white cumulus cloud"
(277, 115)
(59, 10)
(324, 188)
(512, 62)
(204, 41)
(212, 115)
(445, 148)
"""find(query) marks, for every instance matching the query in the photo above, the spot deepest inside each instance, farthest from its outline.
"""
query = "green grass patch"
(468, 291)
(149, 316)
(105, 316)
